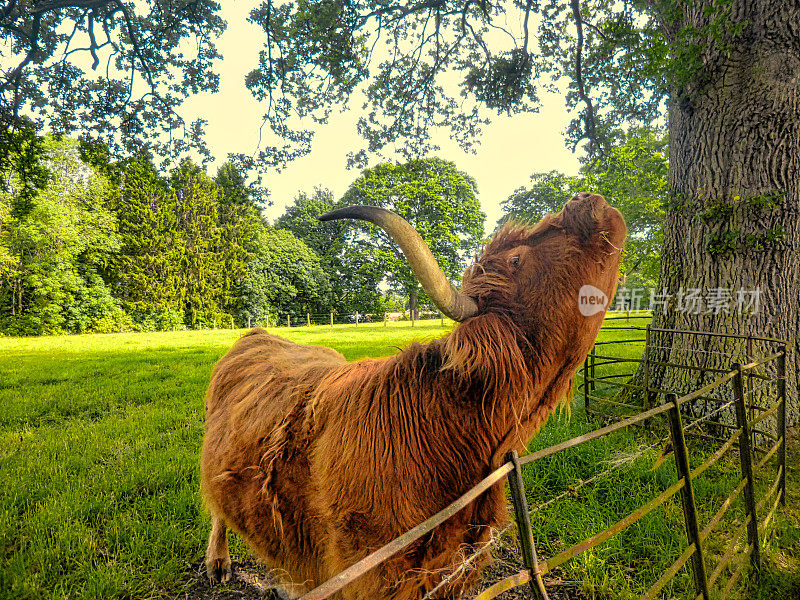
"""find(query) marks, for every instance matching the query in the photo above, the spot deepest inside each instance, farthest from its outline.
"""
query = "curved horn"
(450, 301)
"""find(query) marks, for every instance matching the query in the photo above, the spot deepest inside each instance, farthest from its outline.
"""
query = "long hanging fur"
(317, 462)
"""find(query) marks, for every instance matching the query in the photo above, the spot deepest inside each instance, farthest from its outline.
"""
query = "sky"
(510, 150)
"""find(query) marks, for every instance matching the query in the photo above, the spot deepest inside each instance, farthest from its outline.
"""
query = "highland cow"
(316, 462)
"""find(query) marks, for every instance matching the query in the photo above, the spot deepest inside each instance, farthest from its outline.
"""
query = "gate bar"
(687, 496)
(747, 465)
(517, 488)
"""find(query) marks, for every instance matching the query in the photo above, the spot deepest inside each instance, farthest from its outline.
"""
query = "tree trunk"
(413, 298)
(732, 228)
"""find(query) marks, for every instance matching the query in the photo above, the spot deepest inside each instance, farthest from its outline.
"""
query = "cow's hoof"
(219, 570)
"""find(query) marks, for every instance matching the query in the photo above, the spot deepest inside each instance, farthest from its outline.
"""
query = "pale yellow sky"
(510, 149)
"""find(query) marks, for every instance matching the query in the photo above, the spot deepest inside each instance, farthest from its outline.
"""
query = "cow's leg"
(218, 559)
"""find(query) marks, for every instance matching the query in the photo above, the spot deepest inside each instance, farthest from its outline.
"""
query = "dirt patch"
(507, 561)
(251, 580)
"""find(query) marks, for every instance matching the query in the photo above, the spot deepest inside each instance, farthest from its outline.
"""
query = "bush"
(25, 325)
(210, 319)
(158, 320)
(116, 322)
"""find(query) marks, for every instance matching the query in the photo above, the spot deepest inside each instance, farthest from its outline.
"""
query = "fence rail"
(734, 381)
(333, 318)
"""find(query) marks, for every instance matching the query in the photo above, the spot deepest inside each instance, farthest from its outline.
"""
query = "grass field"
(99, 445)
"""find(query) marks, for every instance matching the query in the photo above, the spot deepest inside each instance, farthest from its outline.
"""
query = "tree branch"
(589, 115)
(51, 5)
(595, 28)
(93, 47)
(137, 52)
(12, 4)
(12, 80)
(525, 24)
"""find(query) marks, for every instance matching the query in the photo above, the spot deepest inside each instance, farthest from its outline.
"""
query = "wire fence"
(671, 420)
(613, 386)
(332, 319)
(335, 318)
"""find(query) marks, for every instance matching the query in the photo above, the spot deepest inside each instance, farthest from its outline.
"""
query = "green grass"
(99, 446)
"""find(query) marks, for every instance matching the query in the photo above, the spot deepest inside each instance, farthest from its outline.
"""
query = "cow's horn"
(450, 301)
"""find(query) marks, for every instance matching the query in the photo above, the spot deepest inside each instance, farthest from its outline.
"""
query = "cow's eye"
(514, 261)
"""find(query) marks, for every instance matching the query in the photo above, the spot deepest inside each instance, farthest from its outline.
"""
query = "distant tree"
(547, 193)
(301, 218)
(184, 247)
(232, 180)
(283, 276)
(21, 167)
(143, 273)
(52, 255)
(241, 229)
(206, 289)
(434, 197)
(232, 184)
(354, 280)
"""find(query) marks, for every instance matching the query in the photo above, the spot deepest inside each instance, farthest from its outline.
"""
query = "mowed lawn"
(99, 447)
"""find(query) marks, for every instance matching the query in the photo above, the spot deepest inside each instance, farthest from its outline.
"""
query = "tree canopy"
(302, 219)
(112, 70)
(452, 64)
(119, 70)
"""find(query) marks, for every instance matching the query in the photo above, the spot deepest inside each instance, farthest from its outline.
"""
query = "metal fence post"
(782, 423)
(752, 411)
(745, 458)
(687, 495)
(591, 367)
(647, 367)
(520, 502)
(586, 384)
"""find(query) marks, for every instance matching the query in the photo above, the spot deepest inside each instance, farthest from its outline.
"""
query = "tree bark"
(732, 226)
(413, 298)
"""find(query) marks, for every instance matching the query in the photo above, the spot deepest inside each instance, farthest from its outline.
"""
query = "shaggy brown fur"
(317, 462)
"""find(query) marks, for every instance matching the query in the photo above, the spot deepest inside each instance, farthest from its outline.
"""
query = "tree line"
(115, 246)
